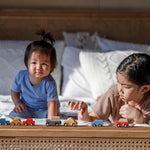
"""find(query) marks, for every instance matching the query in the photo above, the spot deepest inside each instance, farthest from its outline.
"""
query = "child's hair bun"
(46, 36)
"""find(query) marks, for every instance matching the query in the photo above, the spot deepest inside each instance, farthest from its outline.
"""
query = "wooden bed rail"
(131, 26)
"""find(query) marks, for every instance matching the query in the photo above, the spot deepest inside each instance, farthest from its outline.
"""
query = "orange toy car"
(71, 122)
(16, 121)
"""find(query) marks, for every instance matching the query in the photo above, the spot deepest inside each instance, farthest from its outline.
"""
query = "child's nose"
(119, 88)
(39, 66)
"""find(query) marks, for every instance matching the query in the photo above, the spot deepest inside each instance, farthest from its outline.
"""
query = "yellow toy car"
(16, 121)
(71, 122)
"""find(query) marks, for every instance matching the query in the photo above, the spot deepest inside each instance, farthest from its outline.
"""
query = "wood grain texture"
(75, 132)
(131, 26)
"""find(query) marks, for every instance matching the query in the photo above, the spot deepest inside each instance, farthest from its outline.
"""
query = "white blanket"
(6, 105)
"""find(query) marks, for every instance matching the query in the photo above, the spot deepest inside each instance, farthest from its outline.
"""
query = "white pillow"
(12, 61)
(74, 81)
(106, 44)
(59, 46)
(81, 40)
(100, 69)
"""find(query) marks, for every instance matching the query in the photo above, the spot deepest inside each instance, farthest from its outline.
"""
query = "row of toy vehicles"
(54, 121)
(119, 123)
(17, 121)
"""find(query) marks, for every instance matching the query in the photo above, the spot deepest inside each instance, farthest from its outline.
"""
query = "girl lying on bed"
(129, 99)
(34, 91)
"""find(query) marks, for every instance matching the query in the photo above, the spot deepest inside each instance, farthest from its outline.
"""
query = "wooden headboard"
(131, 26)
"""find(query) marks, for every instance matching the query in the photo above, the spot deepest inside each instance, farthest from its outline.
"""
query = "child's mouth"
(121, 97)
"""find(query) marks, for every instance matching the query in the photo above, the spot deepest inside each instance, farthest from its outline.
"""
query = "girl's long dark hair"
(137, 68)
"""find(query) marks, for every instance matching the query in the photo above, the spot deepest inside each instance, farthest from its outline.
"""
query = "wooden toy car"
(122, 123)
(3, 121)
(16, 121)
(28, 122)
(54, 121)
(71, 122)
(97, 123)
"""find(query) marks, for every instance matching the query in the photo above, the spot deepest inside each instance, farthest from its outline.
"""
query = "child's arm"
(52, 108)
(82, 111)
(19, 106)
(130, 112)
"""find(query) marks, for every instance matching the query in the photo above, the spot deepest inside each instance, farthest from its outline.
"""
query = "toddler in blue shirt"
(34, 90)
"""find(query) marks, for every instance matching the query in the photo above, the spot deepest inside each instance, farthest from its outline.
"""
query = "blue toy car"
(4, 122)
(97, 123)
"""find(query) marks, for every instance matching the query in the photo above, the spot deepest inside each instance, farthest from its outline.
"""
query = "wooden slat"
(129, 26)
(80, 131)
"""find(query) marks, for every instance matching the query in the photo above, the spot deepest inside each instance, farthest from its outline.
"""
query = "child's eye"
(33, 62)
(127, 87)
(44, 64)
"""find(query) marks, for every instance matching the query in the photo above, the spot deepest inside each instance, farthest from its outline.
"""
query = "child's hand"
(19, 108)
(80, 106)
(129, 112)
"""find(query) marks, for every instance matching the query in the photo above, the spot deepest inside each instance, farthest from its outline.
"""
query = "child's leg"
(23, 114)
(42, 114)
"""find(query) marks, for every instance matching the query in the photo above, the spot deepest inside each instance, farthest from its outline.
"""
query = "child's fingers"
(82, 111)
(16, 110)
(23, 107)
(81, 105)
(76, 105)
(71, 104)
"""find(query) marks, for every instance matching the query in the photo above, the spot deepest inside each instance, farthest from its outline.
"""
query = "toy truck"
(54, 121)
(122, 123)
(3, 121)
(29, 122)
(97, 123)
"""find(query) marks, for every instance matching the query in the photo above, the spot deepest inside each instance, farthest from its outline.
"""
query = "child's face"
(128, 91)
(39, 65)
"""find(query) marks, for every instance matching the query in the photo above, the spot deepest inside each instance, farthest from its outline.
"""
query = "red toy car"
(122, 123)
(29, 122)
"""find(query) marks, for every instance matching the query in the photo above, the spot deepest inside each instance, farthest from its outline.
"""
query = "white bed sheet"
(6, 105)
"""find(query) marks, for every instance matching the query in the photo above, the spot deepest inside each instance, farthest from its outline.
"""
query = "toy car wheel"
(118, 125)
(93, 125)
(13, 124)
(25, 124)
(57, 124)
(99, 125)
(18, 124)
(47, 124)
(73, 124)
(125, 125)
(31, 124)
(65, 124)
(0, 123)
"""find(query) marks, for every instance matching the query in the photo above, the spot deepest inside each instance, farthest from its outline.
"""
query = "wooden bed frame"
(130, 26)
(74, 138)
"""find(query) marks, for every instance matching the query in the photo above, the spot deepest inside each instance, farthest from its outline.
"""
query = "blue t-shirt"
(35, 97)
